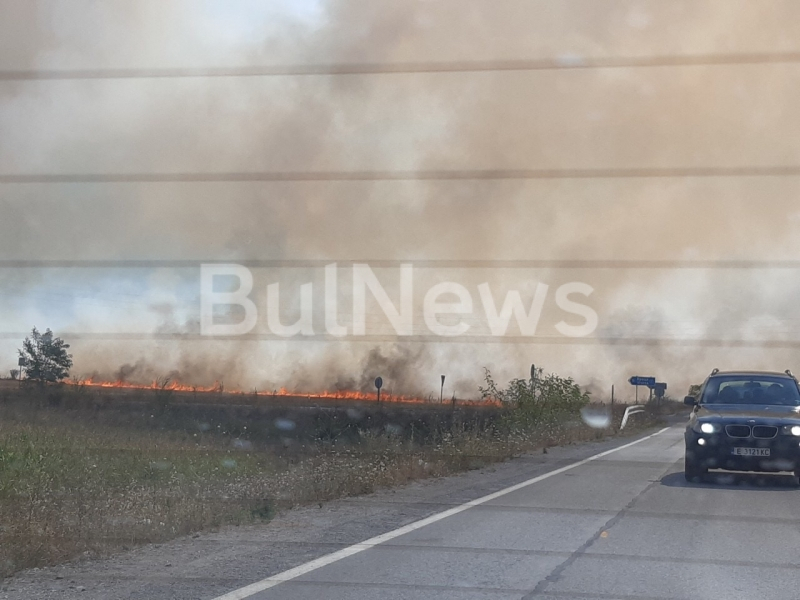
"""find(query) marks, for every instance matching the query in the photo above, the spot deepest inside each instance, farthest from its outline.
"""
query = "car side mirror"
(690, 401)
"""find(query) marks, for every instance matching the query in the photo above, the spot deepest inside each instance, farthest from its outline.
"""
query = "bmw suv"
(744, 421)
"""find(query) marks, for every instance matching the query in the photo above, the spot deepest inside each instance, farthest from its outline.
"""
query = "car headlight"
(709, 428)
(791, 430)
(795, 430)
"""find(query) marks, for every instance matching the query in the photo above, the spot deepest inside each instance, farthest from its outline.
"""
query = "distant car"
(744, 421)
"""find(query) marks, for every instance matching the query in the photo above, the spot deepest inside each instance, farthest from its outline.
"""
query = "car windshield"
(358, 299)
(751, 389)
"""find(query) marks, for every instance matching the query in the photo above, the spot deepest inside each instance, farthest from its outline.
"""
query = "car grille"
(738, 431)
(764, 432)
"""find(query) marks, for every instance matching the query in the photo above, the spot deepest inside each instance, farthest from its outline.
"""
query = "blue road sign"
(648, 381)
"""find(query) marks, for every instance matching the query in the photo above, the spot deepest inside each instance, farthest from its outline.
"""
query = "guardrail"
(631, 410)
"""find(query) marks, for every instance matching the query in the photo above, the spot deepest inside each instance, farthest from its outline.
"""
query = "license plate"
(751, 451)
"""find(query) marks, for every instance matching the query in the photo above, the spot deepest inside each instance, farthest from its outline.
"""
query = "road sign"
(659, 389)
(648, 381)
(379, 382)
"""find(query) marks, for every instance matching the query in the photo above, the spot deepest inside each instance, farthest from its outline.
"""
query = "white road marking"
(328, 559)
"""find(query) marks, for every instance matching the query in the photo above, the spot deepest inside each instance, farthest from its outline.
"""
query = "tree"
(14, 374)
(45, 357)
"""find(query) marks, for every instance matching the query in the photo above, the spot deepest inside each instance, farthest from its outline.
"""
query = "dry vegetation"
(76, 479)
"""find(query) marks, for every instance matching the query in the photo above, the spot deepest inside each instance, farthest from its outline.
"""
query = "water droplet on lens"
(598, 418)
(393, 429)
(242, 444)
(285, 424)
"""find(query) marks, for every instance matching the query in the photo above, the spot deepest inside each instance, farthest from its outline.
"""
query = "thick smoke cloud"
(658, 117)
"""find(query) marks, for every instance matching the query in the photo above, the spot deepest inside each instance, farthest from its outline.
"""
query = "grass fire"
(90, 466)
(218, 391)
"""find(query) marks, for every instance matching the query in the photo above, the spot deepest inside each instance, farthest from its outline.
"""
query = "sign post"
(379, 385)
(650, 382)
(22, 363)
(441, 392)
(659, 389)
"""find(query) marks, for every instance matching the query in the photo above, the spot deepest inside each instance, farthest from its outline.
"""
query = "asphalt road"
(625, 525)
(608, 520)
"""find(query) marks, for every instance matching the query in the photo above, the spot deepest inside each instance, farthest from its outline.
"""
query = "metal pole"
(637, 394)
(22, 363)
(612, 395)
(441, 392)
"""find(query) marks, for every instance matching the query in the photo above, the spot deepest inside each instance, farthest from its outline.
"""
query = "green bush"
(547, 398)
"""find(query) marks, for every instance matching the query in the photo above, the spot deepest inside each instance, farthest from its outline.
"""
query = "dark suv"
(744, 421)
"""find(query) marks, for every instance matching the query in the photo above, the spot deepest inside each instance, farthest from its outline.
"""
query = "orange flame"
(218, 388)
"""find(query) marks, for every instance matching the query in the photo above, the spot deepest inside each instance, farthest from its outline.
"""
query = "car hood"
(738, 412)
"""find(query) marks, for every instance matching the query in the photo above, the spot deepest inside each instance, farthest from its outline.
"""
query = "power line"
(567, 62)
(786, 264)
(425, 339)
(438, 175)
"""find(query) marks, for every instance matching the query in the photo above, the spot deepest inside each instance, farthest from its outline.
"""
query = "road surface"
(616, 522)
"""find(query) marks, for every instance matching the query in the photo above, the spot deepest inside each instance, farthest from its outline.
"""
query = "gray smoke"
(659, 117)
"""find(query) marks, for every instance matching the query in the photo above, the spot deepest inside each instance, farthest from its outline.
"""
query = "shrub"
(545, 399)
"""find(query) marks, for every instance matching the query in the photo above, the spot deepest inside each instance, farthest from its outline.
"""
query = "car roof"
(748, 373)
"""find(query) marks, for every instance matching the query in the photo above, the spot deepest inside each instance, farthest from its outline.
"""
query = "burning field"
(217, 394)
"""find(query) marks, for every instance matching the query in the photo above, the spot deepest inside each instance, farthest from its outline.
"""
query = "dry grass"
(68, 487)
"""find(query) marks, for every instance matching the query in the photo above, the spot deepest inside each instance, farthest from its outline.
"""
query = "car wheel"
(693, 470)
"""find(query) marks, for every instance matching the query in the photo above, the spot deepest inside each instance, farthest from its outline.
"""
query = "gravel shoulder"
(210, 564)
